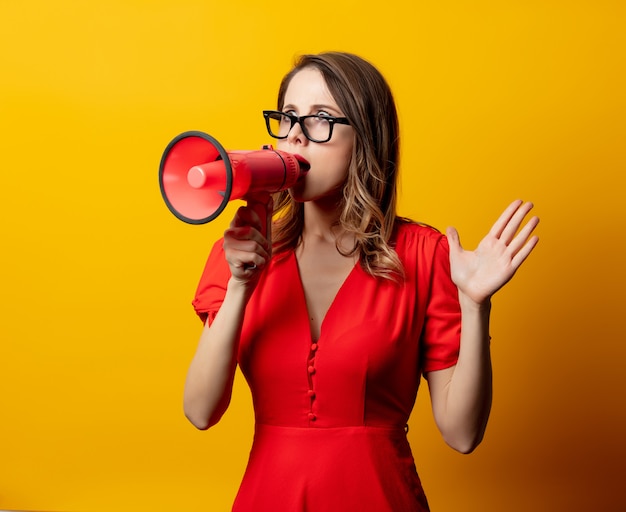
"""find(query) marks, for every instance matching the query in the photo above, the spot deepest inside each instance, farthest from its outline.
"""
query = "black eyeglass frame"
(267, 114)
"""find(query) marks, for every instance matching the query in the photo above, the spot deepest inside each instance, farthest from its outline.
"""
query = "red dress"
(331, 413)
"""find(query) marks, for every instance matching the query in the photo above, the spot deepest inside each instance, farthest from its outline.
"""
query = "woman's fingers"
(247, 224)
(524, 236)
(246, 260)
(454, 241)
(516, 220)
(500, 225)
(246, 248)
(524, 243)
(482, 272)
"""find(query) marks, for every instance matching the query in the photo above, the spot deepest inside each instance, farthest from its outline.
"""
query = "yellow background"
(497, 100)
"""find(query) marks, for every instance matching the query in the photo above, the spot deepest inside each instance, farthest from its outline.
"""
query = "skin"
(322, 268)
(460, 395)
(307, 94)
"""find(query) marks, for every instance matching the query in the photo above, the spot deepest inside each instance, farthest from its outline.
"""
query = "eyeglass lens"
(314, 127)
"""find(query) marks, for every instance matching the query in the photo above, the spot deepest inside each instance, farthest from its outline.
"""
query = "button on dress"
(330, 413)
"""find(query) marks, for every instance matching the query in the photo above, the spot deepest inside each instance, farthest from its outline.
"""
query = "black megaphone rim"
(227, 165)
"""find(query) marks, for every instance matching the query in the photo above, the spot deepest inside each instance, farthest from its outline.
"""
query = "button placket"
(311, 370)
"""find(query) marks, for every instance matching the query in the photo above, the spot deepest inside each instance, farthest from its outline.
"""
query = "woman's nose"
(295, 135)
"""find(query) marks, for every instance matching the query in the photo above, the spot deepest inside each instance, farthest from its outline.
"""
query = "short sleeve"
(212, 286)
(441, 334)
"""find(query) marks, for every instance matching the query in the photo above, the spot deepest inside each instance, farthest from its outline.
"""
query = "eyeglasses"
(316, 128)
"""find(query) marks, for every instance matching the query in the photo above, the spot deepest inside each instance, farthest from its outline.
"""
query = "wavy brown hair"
(368, 206)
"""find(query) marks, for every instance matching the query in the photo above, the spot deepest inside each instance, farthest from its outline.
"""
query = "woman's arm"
(210, 377)
(461, 395)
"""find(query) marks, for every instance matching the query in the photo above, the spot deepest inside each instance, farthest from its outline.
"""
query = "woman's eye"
(320, 119)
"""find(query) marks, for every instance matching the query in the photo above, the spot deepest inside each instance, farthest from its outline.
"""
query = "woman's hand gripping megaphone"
(247, 241)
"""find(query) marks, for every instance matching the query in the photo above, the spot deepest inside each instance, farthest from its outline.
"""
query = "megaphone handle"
(259, 204)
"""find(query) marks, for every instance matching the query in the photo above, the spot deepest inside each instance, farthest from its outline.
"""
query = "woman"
(334, 321)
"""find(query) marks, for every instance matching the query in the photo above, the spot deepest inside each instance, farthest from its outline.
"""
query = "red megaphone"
(198, 177)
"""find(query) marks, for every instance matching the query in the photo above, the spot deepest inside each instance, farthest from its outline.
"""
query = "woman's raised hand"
(480, 273)
(247, 242)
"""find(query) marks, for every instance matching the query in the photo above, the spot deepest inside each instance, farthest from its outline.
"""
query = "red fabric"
(330, 413)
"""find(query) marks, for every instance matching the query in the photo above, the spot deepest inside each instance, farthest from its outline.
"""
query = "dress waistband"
(339, 430)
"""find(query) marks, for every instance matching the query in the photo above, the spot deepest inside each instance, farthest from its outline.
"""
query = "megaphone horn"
(198, 177)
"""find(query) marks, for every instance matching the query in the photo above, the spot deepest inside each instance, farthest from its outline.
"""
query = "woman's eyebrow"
(319, 106)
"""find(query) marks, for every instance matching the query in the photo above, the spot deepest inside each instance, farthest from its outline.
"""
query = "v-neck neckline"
(333, 304)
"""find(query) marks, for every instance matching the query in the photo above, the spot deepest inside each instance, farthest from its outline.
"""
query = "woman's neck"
(321, 224)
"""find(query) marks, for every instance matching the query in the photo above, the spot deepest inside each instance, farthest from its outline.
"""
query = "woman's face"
(307, 94)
